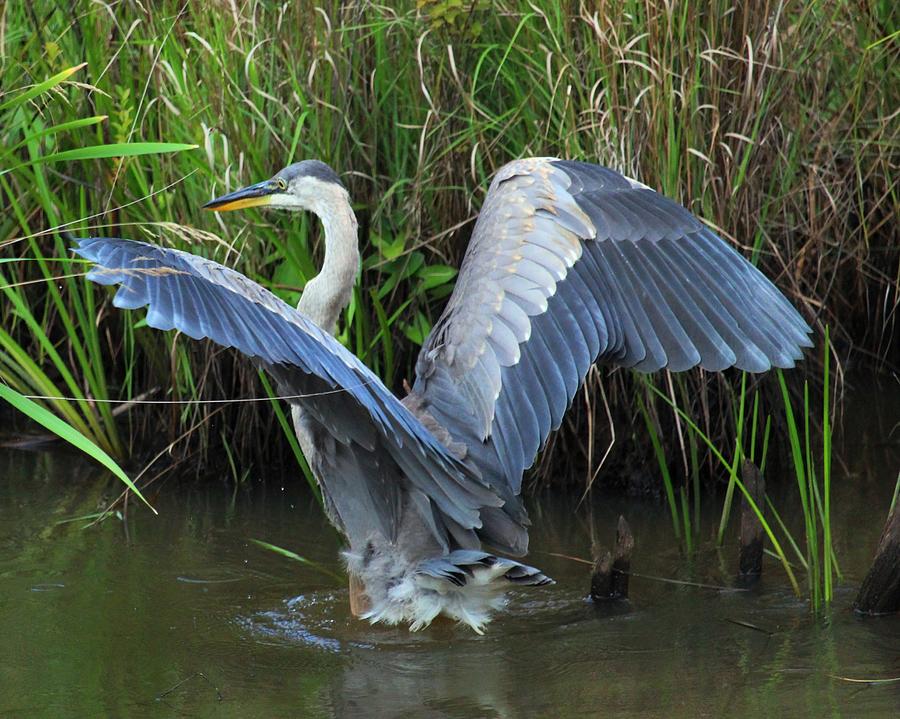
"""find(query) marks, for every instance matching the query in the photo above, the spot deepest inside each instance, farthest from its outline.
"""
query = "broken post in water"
(880, 590)
(609, 579)
(752, 533)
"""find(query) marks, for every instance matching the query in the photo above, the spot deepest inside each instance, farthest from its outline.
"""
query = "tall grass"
(30, 135)
(810, 454)
(772, 122)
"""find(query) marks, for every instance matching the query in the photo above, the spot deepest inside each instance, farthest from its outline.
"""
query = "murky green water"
(181, 615)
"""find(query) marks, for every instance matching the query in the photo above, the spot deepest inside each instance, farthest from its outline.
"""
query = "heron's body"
(569, 264)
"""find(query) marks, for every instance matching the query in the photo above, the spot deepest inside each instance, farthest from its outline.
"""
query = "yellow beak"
(252, 196)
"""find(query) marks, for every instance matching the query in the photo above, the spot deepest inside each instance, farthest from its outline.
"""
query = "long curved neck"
(328, 293)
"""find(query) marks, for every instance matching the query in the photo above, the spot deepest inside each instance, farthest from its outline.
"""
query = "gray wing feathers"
(571, 263)
(204, 299)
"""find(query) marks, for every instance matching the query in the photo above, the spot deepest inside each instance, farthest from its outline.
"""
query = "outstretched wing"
(571, 263)
(204, 299)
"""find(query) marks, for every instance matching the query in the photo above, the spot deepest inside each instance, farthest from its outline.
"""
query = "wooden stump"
(880, 590)
(752, 533)
(609, 578)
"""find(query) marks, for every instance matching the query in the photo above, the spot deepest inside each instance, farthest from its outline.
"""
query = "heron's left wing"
(204, 299)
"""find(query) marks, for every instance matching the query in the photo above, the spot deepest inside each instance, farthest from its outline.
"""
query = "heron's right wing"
(569, 263)
(204, 299)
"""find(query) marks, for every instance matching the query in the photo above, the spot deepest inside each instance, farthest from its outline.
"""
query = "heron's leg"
(359, 600)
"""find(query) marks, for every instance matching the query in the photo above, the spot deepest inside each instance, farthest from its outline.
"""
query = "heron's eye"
(282, 185)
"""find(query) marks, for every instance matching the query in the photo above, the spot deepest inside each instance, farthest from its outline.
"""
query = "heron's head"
(307, 185)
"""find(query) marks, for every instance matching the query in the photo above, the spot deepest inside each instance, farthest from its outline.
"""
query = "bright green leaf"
(40, 88)
(62, 127)
(94, 152)
(436, 275)
(62, 430)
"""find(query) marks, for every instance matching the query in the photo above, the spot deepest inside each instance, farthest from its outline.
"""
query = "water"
(182, 615)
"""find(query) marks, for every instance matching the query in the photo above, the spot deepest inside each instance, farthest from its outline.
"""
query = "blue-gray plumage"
(569, 264)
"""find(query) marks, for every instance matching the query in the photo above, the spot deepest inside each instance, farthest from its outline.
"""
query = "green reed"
(813, 481)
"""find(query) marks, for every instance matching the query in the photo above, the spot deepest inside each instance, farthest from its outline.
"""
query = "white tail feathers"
(465, 585)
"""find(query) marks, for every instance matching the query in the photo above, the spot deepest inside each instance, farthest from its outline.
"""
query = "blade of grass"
(297, 558)
(62, 430)
(97, 152)
(661, 462)
(41, 87)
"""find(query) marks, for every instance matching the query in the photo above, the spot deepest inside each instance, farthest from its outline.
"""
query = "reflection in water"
(183, 616)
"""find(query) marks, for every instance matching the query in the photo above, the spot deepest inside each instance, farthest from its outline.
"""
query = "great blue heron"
(569, 263)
